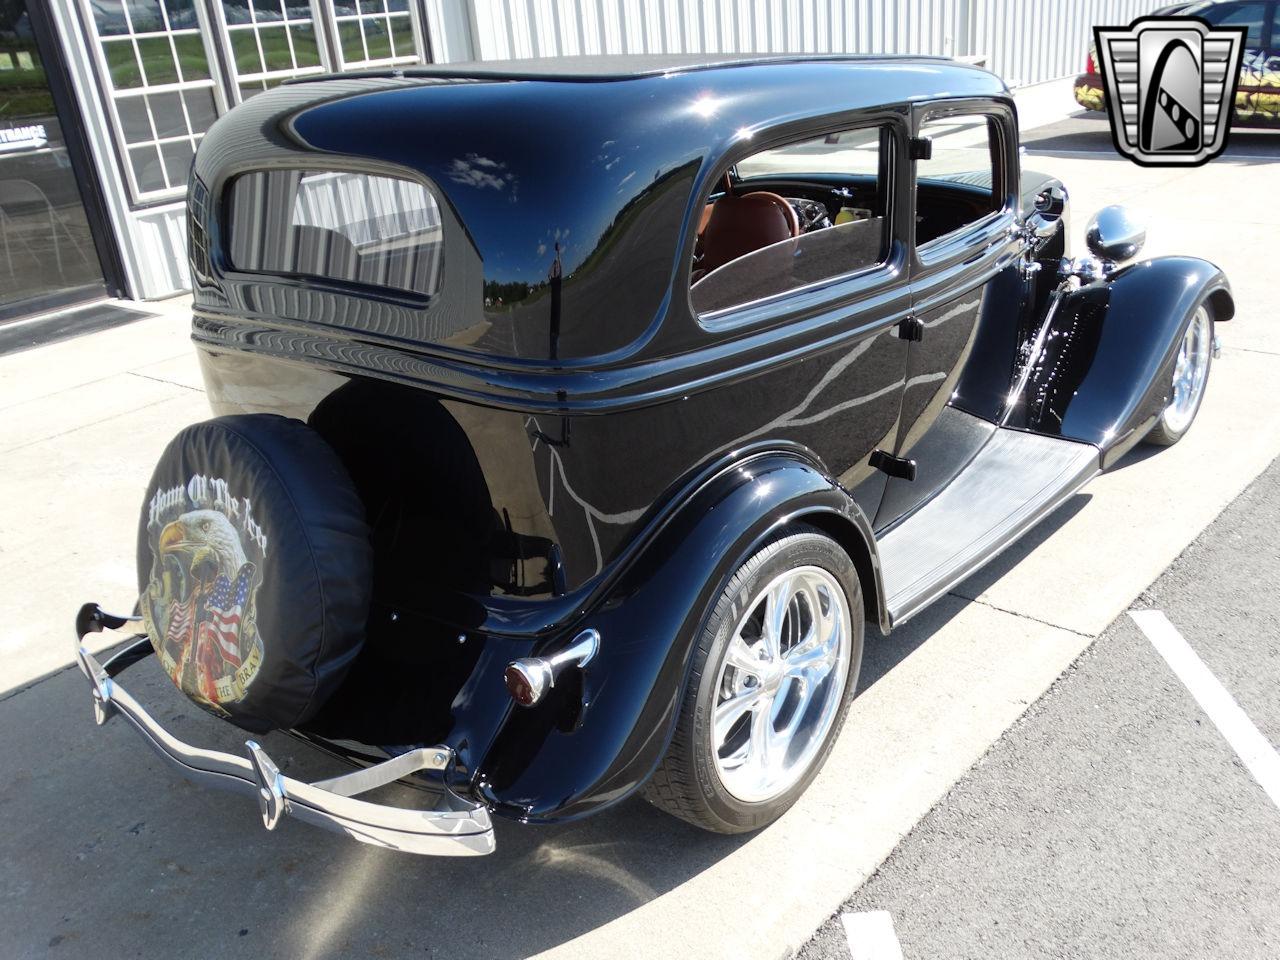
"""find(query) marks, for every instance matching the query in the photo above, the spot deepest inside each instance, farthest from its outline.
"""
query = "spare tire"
(255, 568)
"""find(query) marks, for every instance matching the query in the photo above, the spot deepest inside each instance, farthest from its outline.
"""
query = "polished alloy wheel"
(1190, 374)
(781, 683)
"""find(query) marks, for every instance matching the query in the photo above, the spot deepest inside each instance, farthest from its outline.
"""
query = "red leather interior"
(739, 225)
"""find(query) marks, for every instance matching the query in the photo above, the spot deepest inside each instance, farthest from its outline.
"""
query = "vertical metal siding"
(1024, 41)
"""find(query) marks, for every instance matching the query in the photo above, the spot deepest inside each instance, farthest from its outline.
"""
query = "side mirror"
(1115, 234)
(1046, 219)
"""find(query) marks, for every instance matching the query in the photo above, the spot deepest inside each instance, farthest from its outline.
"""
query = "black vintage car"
(572, 424)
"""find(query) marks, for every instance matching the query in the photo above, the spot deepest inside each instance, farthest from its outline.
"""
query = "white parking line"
(1256, 752)
(871, 935)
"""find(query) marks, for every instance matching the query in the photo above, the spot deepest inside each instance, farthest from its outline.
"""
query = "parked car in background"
(576, 417)
(1257, 102)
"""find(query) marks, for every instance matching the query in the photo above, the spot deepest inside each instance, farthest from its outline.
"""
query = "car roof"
(606, 67)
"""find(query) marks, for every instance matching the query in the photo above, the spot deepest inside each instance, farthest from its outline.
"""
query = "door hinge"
(899, 467)
(912, 329)
(920, 148)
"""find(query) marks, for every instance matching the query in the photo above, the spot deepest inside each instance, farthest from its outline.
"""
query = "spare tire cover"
(254, 565)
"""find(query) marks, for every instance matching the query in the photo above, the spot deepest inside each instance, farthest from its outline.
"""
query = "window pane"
(382, 231)
(352, 46)
(192, 60)
(134, 122)
(377, 39)
(157, 61)
(372, 6)
(851, 151)
(177, 161)
(398, 6)
(122, 64)
(237, 11)
(265, 11)
(166, 111)
(402, 37)
(275, 48)
(200, 109)
(244, 48)
(955, 187)
(796, 215)
(182, 14)
(145, 15)
(305, 48)
(108, 17)
(249, 87)
(147, 169)
(1239, 15)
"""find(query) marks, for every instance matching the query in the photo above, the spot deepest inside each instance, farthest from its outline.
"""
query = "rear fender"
(540, 768)
(1107, 368)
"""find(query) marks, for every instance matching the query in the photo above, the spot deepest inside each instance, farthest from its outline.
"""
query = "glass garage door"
(47, 254)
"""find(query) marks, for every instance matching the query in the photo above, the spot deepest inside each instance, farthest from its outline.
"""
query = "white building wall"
(1024, 41)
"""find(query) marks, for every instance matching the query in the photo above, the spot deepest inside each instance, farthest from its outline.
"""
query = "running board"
(1014, 481)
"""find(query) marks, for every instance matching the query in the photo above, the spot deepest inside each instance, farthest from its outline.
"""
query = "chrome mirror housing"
(1050, 209)
(1115, 234)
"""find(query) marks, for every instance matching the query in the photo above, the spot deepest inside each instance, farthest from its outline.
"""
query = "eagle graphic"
(201, 599)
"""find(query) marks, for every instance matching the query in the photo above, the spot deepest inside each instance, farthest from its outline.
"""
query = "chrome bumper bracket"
(270, 791)
(459, 828)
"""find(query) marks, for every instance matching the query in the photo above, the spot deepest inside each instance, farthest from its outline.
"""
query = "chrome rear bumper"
(462, 830)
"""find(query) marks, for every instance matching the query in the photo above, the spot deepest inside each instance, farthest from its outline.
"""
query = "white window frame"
(224, 80)
(335, 20)
(112, 94)
(223, 31)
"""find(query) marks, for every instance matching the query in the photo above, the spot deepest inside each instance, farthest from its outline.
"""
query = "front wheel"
(773, 674)
(1190, 376)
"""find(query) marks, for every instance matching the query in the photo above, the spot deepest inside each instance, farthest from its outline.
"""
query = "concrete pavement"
(116, 856)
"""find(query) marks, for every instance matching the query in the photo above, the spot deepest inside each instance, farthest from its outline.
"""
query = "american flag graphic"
(177, 631)
(225, 606)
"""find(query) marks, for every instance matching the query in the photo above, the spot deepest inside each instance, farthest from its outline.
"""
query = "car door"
(964, 261)
(843, 278)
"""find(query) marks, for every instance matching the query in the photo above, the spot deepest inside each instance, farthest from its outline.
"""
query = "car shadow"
(1143, 451)
(111, 852)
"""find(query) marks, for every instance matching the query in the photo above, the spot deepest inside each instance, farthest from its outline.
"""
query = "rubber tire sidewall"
(794, 548)
(1161, 436)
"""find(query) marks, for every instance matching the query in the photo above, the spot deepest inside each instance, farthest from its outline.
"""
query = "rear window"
(336, 225)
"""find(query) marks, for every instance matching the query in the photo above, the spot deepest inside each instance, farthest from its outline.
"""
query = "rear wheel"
(773, 674)
(1190, 376)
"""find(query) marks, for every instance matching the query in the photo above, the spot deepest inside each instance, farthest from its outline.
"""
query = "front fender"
(546, 764)
(1107, 368)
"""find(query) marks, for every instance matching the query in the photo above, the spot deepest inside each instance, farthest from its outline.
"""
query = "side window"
(958, 185)
(1250, 15)
(793, 216)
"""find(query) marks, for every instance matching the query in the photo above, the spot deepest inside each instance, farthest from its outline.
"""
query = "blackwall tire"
(254, 568)
(710, 776)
